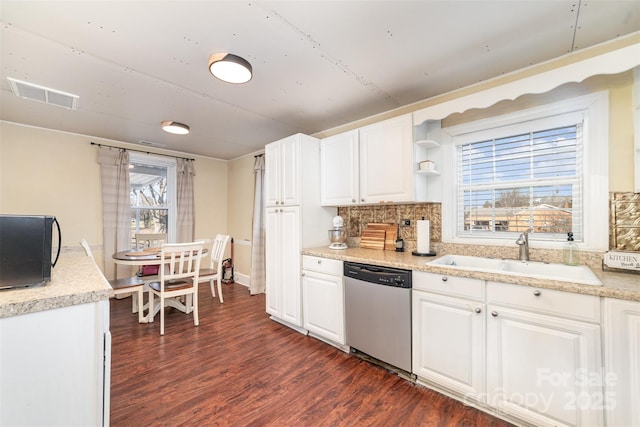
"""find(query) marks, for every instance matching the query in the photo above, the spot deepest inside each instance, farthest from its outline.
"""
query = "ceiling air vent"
(43, 94)
(151, 144)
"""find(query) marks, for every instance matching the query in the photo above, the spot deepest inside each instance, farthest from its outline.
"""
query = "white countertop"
(614, 284)
(74, 280)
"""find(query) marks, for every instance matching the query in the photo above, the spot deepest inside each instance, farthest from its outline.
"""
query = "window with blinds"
(532, 179)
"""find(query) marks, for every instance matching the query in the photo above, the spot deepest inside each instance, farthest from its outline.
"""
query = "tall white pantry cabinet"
(294, 220)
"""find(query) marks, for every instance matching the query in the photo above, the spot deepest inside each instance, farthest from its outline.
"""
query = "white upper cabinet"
(369, 165)
(339, 160)
(282, 172)
(386, 157)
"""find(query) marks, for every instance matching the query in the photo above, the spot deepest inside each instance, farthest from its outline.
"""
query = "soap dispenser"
(571, 251)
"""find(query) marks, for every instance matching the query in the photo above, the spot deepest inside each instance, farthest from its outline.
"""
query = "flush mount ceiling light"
(175, 128)
(230, 68)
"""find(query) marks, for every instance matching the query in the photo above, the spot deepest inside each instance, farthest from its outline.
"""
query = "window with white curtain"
(152, 183)
(545, 168)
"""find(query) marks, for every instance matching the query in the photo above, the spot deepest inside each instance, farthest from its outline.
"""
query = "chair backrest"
(150, 240)
(217, 251)
(86, 247)
(182, 261)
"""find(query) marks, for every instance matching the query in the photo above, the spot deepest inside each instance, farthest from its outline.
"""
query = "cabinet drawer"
(449, 285)
(545, 301)
(322, 265)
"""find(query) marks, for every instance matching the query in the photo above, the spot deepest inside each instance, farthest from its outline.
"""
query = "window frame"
(595, 168)
(170, 164)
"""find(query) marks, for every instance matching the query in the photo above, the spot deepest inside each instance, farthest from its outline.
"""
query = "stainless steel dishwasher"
(378, 312)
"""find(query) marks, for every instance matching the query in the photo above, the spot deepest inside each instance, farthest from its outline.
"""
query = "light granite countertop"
(620, 285)
(74, 280)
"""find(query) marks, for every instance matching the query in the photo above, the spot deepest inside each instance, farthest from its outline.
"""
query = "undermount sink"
(565, 273)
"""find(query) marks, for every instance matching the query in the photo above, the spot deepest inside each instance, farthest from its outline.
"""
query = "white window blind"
(512, 180)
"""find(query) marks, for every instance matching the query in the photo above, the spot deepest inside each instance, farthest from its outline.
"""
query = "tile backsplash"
(356, 219)
(624, 227)
(624, 221)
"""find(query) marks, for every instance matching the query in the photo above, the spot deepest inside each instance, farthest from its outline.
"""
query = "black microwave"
(26, 243)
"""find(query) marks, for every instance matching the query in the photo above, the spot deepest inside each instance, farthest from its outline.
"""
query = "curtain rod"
(140, 151)
(258, 155)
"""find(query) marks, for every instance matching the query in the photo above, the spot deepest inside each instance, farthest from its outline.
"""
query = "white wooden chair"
(129, 285)
(178, 278)
(214, 272)
(146, 241)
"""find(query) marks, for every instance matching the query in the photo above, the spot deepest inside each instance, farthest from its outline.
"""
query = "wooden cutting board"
(372, 239)
(390, 236)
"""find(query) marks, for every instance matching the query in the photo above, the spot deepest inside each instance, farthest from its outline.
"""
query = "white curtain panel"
(258, 272)
(116, 208)
(185, 218)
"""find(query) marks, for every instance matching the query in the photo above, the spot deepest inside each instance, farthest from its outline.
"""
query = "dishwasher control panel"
(386, 276)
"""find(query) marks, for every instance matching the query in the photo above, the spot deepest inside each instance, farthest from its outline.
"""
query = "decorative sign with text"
(625, 260)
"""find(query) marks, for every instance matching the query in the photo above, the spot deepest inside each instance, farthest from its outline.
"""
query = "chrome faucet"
(523, 242)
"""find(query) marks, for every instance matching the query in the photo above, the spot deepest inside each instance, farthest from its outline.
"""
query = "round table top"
(149, 256)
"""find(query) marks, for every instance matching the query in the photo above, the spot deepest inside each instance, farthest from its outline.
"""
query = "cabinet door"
(289, 264)
(449, 343)
(290, 171)
(539, 368)
(272, 178)
(622, 362)
(339, 171)
(52, 367)
(282, 255)
(323, 305)
(386, 161)
(272, 261)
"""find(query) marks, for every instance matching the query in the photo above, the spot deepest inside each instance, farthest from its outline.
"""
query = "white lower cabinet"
(526, 354)
(452, 356)
(323, 298)
(449, 333)
(55, 367)
(622, 362)
(541, 361)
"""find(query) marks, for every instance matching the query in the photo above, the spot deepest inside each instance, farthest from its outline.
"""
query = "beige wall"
(240, 212)
(56, 173)
(621, 148)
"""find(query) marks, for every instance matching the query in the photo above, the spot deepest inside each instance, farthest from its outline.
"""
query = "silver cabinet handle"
(478, 310)
(302, 274)
(362, 200)
(353, 200)
(536, 293)
(319, 261)
(494, 313)
(445, 278)
(277, 202)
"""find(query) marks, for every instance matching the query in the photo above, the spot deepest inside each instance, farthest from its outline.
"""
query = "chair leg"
(196, 321)
(161, 316)
(134, 302)
(151, 316)
(220, 290)
(213, 289)
(140, 297)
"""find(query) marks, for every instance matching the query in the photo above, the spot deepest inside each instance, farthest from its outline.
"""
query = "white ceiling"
(317, 64)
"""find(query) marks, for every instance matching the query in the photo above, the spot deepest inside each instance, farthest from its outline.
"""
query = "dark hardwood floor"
(241, 368)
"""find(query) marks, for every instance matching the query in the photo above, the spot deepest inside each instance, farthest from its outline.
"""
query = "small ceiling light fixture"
(175, 127)
(230, 68)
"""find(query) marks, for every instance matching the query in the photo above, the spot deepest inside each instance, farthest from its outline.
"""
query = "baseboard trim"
(242, 279)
